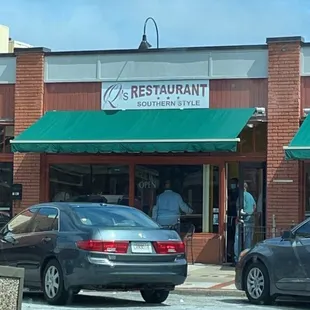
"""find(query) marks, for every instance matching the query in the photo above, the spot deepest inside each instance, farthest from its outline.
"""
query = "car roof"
(71, 205)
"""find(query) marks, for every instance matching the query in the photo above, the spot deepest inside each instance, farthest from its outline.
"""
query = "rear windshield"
(113, 217)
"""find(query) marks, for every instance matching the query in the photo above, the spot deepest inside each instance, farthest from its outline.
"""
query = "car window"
(113, 217)
(66, 222)
(303, 231)
(46, 220)
(20, 223)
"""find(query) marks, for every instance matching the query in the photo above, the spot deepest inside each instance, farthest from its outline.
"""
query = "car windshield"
(114, 216)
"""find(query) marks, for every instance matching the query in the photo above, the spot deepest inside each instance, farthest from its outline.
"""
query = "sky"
(118, 24)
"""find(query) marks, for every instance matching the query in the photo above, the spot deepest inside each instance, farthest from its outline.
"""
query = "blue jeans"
(248, 232)
(236, 243)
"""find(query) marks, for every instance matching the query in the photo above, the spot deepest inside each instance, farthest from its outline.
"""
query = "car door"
(13, 242)
(286, 269)
(42, 241)
(302, 247)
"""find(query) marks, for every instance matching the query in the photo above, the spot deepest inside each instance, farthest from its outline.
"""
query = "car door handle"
(46, 239)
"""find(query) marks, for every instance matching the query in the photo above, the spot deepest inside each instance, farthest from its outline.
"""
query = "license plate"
(141, 247)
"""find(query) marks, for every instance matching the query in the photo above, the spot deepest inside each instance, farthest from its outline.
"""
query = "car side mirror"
(287, 235)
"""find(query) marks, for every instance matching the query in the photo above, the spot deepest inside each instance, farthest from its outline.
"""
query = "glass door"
(253, 181)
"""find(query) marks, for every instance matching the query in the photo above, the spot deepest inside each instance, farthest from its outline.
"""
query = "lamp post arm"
(156, 28)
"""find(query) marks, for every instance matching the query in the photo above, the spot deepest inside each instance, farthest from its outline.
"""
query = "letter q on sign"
(111, 94)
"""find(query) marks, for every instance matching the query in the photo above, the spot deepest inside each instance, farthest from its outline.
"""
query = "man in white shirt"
(168, 207)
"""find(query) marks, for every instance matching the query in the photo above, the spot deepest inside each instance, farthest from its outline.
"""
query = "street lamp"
(144, 45)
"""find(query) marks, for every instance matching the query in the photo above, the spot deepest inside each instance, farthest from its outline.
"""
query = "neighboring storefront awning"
(135, 131)
(299, 147)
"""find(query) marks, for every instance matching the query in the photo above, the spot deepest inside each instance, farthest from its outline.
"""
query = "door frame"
(242, 167)
(253, 165)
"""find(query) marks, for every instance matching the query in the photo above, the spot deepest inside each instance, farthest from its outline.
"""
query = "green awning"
(135, 131)
(299, 147)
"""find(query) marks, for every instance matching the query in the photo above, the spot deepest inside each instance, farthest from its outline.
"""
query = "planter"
(11, 288)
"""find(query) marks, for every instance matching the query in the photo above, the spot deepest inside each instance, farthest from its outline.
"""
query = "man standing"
(168, 207)
(249, 207)
(249, 219)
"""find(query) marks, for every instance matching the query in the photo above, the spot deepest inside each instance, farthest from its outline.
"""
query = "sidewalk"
(210, 280)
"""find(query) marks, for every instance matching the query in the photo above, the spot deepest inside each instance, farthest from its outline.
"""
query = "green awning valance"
(299, 148)
(135, 131)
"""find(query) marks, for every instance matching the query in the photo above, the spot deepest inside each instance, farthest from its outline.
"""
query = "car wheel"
(257, 284)
(154, 296)
(53, 284)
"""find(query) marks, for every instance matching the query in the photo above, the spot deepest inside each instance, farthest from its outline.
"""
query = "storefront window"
(6, 176)
(261, 137)
(196, 184)
(6, 134)
(70, 182)
(246, 144)
(253, 138)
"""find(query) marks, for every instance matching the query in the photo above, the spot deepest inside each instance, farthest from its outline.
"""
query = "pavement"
(210, 280)
(133, 301)
(208, 287)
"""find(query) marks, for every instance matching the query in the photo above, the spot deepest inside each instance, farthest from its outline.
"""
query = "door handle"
(46, 239)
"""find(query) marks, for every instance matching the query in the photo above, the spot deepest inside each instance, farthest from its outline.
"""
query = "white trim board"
(125, 141)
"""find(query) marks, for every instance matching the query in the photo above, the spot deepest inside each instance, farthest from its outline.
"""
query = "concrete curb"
(208, 292)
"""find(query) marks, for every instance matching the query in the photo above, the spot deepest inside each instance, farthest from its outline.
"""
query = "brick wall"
(283, 122)
(29, 91)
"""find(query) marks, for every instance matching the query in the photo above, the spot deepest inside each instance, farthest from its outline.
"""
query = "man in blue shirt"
(249, 207)
(168, 207)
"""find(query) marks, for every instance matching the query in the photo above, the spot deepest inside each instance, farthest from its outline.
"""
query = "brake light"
(119, 247)
(169, 247)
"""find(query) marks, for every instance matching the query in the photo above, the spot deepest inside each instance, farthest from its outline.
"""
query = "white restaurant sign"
(189, 94)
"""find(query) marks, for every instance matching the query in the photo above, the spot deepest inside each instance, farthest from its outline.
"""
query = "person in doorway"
(249, 207)
(168, 208)
(233, 194)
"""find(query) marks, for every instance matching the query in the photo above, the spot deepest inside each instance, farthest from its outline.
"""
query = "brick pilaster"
(283, 198)
(29, 91)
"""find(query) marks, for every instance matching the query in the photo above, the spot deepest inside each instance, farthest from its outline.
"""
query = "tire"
(154, 296)
(53, 284)
(257, 284)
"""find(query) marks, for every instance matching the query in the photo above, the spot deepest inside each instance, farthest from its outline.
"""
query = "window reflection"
(253, 138)
(185, 180)
(6, 175)
(246, 144)
(261, 137)
(8, 134)
(89, 183)
(20, 224)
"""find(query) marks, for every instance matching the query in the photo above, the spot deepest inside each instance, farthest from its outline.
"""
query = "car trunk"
(144, 245)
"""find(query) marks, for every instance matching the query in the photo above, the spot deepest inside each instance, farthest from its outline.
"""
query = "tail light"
(169, 247)
(119, 247)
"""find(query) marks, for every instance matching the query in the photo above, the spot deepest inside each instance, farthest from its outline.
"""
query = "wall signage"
(189, 94)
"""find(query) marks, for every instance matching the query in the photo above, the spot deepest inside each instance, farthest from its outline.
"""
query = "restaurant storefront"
(198, 149)
(120, 123)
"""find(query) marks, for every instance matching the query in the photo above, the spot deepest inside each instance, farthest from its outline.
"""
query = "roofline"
(158, 50)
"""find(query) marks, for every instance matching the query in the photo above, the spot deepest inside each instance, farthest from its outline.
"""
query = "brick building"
(205, 115)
